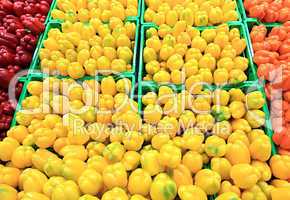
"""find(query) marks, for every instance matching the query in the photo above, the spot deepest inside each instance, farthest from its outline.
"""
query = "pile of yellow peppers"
(84, 10)
(184, 55)
(86, 141)
(89, 48)
(193, 12)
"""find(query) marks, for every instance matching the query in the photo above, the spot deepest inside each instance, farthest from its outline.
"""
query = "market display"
(145, 100)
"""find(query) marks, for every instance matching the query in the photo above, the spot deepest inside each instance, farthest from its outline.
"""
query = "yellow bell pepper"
(228, 196)
(44, 137)
(201, 18)
(193, 161)
(264, 169)
(114, 152)
(221, 113)
(51, 184)
(168, 125)
(182, 176)
(227, 186)
(34, 196)
(186, 192)
(193, 139)
(18, 132)
(245, 176)
(150, 162)
(72, 169)
(9, 176)
(241, 124)
(221, 76)
(255, 134)
(152, 114)
(208, 180)
(133, 140)
(7, 147)
(131, 160)
(22, 157)
(158, 140)
(280, 183)
(254, 192)
(200, 105)
(98, 163)
(79, 136)
(280, 193)
(221, 97)
(266, 188)
(74, 151)
(221, 166)
(138, 197)
(88, 197)
(238, 153)
(193, 84)
(68, 190)
(215, 146)
(255, 100)
(53, 166)
(32, 180)
(139, 182)
(207, 61)
(237, 94)
(204, 122)
(260, 148)
(170, 155)
(90, 182)
(95, 148)
(237, 109)
(280, 166)
(40, 157)
(256, 118)
(115, 192)
(163, 188)
(115, 175)
(237, 76)
(7, 192)
(222, 129)
(239, 135)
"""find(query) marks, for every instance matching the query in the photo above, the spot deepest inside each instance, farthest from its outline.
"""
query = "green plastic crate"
(245, 17)
(53, 6)
(35, 65)
(251, 71)
(40, 77)
(144, 7)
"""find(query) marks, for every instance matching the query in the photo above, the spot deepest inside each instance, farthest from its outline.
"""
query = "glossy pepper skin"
(7, 192)
(34, 196)
(150, 162)
(9, 176)
(90, 182)
(182, 176)
(22, 157)
(32, 180)
(163, 188)
(170, 155)
(66, 191)
(208, 180)
(115, 192)
(141, 178)
(186, 192)
(280, 166)
(7, 147)
(115, 175)
(244, 176)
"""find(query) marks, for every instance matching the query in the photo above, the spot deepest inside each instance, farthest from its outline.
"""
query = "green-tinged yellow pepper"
(163, 188)
(245, 176)
(204, 122)
(280, 166)
(7, 147)
(98, 163)
(260, 148)
(255, 100)
(150, 162)
(115, 192)
(133, 140)
(182, 176)
(264, 169)
(241, 124)
(237, 76)
(7, 192)
(131, 160)
(256, 118)
(68, 190)
(193, 161)
(186, 192)
(74, 151)
(139, 182)
(221, 166)
(237, 109)
(22, 157)
(221, 113)
(72, 169)
(90, 182)
(254, 192)
(193, 139)
(221, 97)
(170, 155)
(114, 152)
(226, 186)
(32, 180)
(39, 158)
(222, 129)
(51, 184)
(238, 153)
(53, 166)
(215, 146)
(9, 176)
(208, 180)
(88, 197)
(115, 175)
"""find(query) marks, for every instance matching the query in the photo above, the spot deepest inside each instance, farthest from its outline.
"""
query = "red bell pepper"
(22, 57)
(5, 77)
(8, 39)
(284, 14)
(281, 32)
(271, 15)
(274, 42)
(34, 25)
(7, 6)
(257, 11)
(18, 8)
(282, 139)
(29, 42)
(6, 56)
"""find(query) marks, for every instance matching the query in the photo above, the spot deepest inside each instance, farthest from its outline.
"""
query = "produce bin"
(40, 77)
(54, 5)
(50, 10)
(35, 65)
(144, 7)
(250, 72)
